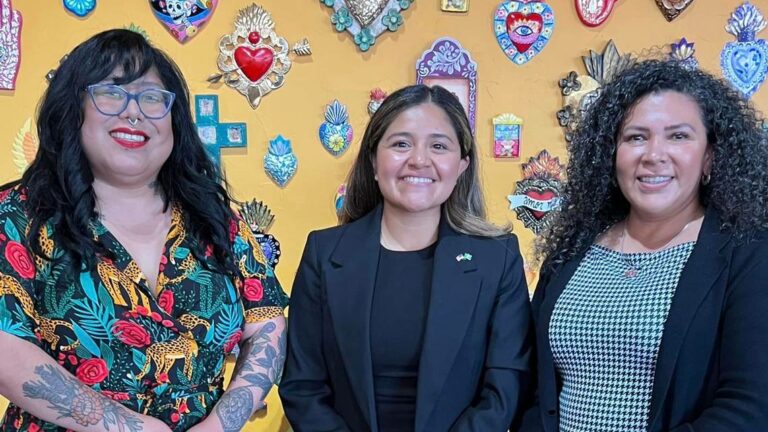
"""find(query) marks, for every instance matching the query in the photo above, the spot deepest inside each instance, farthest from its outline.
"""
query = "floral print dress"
(162, 355)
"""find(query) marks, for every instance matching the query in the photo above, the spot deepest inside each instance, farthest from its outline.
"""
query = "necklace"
(633, 269)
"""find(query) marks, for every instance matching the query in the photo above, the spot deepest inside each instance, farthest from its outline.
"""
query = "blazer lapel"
(350, 281)
(455, 287)
(706, 263)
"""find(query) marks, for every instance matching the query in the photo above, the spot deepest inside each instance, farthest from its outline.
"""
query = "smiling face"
(662, 153)
(418, 160)
(121, 153)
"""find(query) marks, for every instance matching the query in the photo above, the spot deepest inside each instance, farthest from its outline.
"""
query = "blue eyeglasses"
(111, 100)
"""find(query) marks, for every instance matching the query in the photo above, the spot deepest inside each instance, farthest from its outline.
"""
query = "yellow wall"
(338, 70)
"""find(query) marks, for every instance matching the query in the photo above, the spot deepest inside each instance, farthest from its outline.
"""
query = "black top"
(398, 317)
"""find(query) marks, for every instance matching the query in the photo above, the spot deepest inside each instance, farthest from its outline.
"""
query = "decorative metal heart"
(184, 19)
(365, 11)
(672, 8)
(745, 64)
(523, 28)
(594, 12)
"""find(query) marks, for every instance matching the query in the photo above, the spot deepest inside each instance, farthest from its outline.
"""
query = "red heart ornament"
(255, 63)
(540, 196)
(524, 29)
(594, 12)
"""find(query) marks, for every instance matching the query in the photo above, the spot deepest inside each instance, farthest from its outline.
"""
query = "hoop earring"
(705, 179)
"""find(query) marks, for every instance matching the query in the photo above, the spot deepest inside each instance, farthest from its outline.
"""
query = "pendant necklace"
(633, 269)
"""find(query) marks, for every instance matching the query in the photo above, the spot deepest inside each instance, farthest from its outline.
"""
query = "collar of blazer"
(710, 257)
(350, 281)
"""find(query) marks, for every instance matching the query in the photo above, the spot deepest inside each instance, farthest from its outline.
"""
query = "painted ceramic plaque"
(454, 5)
(507, 132)
(280, 162)
(80, 8)
(10, 45)
(183, 18)
(579, 91)
(523, 28)
(376, 96)
(538, 193)
(672, 8)
(214, 134)
(745, 62)
(336, 132)
(593, 13)
(253, 59)
(450, 66)
(684, 53)
(259, 218)
(365, 20)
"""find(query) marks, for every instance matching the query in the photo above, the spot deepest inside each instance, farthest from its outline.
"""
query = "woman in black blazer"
(652, 310)
(413, 315)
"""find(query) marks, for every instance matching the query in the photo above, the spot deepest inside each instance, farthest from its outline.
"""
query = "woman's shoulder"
(12, 201)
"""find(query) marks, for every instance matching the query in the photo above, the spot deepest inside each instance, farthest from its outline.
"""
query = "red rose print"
(142, 310)
(33, 428)
(5, 193)
(163, 378)
(253, 289)
(131, 334)
(92, 371)
(166, 300)
(175, 417)
(233, 229)
(18, 257)
(232, 341)
(116, 396)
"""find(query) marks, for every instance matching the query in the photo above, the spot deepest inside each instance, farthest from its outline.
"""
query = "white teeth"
(655, 180)
(417, 180)
(128, 137)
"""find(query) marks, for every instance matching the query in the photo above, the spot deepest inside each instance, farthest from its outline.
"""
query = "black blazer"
(474, 365)
(712, 370)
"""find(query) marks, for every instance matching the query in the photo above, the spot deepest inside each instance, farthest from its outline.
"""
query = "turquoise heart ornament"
(745, 62)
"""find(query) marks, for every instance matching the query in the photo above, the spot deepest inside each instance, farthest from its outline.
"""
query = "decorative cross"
(216, 135)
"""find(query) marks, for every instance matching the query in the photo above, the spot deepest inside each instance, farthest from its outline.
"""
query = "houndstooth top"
(605, 333)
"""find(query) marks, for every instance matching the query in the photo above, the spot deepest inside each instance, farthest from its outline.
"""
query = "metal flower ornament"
(745, 62)
(365, 20)
(10, 45)
(253, 59)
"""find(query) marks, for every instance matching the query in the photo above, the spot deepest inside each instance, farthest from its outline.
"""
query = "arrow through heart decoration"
(365, 20)
(254, 59)
(523, 28)
(745, 62)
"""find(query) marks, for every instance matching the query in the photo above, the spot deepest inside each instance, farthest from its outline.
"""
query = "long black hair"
(59, 180)
(592, 201)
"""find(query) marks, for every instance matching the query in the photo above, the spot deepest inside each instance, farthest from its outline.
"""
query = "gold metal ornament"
(253, 59)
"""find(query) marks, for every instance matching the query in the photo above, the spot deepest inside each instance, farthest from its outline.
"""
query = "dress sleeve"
(18, 311)
(263, 297)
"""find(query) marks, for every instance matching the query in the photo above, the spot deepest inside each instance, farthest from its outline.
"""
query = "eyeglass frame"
(131, 96)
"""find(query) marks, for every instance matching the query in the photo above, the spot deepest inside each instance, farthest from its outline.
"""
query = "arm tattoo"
(234, 408)
(72, 399)
(261, 365)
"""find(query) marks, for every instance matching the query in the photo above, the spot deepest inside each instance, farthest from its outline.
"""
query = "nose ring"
(133, 122)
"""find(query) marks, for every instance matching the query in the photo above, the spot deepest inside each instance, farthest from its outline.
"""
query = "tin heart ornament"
(365, 20)
(280, 162)
(745, 62)
(336, 132)
(672, 8)
(183, 18)
(523, 28)
(80, 8)
(592, 13)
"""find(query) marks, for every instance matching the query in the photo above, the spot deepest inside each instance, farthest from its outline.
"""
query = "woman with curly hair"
(125, 277)
(651, 309)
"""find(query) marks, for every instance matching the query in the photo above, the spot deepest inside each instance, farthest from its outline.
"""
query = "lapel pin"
(464, 257)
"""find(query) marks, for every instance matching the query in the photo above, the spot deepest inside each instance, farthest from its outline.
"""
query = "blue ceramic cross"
(216, 135)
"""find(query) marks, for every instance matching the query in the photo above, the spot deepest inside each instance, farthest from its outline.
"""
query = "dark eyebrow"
(680, 126)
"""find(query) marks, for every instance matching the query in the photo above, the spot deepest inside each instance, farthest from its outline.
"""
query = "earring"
(375, 177)
(705, 179)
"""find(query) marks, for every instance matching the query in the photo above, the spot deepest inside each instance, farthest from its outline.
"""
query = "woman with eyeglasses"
(125, 277)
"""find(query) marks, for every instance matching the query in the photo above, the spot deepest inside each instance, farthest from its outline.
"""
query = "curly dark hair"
(592, 200)
(59, 180)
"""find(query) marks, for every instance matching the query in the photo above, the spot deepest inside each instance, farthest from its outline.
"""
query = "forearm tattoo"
(73, 400)
(260, 364)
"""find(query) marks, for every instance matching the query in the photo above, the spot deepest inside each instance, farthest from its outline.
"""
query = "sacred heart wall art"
(523, 28)
(280, 162)
(259, 218)
(183, 18)
(336, 132)
(684, 53)
(745, 62)
(450, 66)
(253, 59)
(80, 8)
(365, 20)
(672, 8)
(10, 45)
(537, 195)
(593, 13)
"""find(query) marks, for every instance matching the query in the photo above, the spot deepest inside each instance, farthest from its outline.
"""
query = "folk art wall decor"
(507, 133)
(25, 146)
(80, 8)
(449, 65)
(376, 97)
(454, 5)
(593, 13)
(183, 18)
(673, 8)
(684, 53)
(259, 218)
(253, 59)
(523, 28)
(366, 20)
(538, 193)
(10, 44)
(336, 132)
(214, 134)
(280, 162)
(745, 62)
